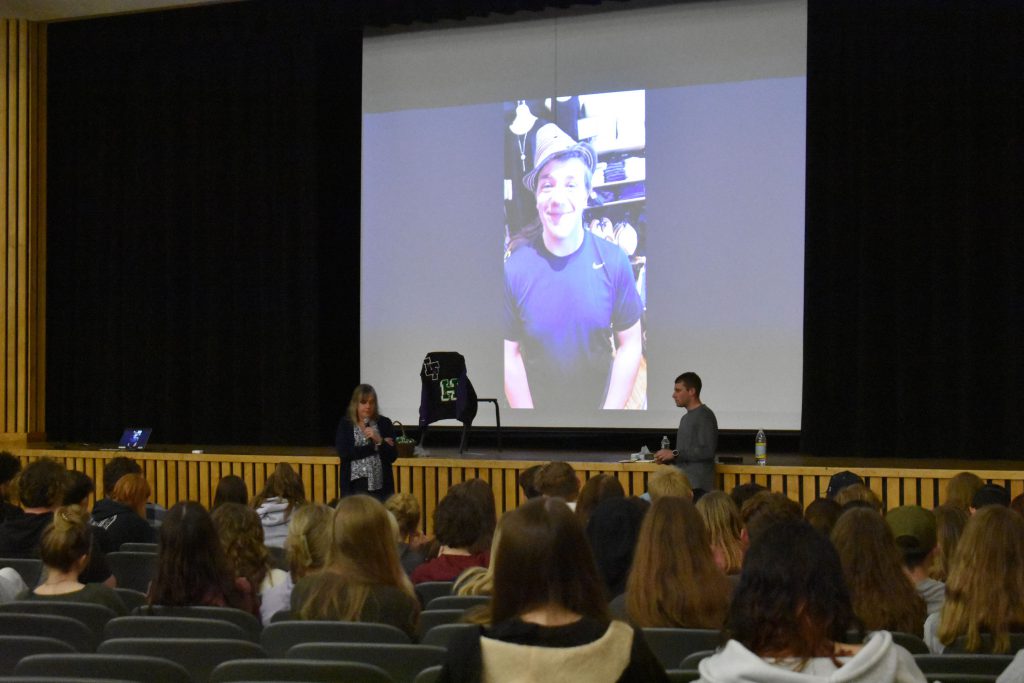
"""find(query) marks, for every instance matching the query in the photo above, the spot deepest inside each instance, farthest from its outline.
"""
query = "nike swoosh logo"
(598, 265)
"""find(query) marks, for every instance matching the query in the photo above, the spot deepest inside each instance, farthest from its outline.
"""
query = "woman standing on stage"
(366, 447)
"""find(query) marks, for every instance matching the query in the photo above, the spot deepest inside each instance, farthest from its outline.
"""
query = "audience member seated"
(985, 589)
(612, 530)
(550, 618)
(123, 515)
(191, 567)
(11, 584)
(9, 468)
(363, 580)
(481, 493)
(913, 527)
(949, 526)
(1017, 504)
(459, 526)
(599, 487)
(744, 492)
(839, 481)
(674, 581)
(961, 489)
(990, 494)
(883, 596)
(526, 481)
(64, 549)
(558, 480)
(406, 510)
(669, 481)
(822, 514)
(858, 495)
(479, 580)
(117, 468)
(77, 489)
(765, 509)
(789, 615)
(241, 537)
(725, 526)
(230, 489)
(41, 489)
(307, 547)
(282, 493)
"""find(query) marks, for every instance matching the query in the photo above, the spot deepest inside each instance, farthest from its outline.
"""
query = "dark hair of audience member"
(674, 581)
(117, 468)
(284, 483)
(191, 567)
(990, 494)
(558, 479)
(231, 489)
(725, 527)
(482, 495)
(458, 522)
(858, 493)
(985, 589)
(1017, 504)
(132, 490)
(241, 536)
(961, 489)
(882, 594)
(67, 539)
(364, 553)
(791, 600)
(599, 487)
(822, 514)
(765, 509)
(41, 484)
(9, 467)
(544, 559)
(613, 530)
(742, 493)
(526, 479)
(950, 521)
(77, 488)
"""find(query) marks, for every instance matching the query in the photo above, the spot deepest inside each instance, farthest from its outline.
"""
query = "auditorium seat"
(402, 662)
(672, 645)
(131, 598)
(172, 627)
(29, 569)
(429, 675)
(71, 631)
(278, 638)
(313, 671)
(443, 634)
(14, 648)
(429, 618)
(958, 645)
(963, 664)
(682, 675)
(462, 602)
(104, 666)
(132, 569)
(139, 548)
(250, 624)
(911, 643)
(428, 590)
(199, 656)
(692, 660)
(93, 616)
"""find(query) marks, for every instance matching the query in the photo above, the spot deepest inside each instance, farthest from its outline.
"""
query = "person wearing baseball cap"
(915, 531)
(572, 311)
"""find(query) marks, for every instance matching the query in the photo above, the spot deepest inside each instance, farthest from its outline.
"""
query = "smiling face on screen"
(563, 186)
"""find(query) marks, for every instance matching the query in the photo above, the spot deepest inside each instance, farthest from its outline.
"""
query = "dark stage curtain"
(915, 242)
(203, 228)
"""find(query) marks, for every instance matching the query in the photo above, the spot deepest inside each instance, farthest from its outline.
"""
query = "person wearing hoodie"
(282, 493)
(789, 615)
(123, 515)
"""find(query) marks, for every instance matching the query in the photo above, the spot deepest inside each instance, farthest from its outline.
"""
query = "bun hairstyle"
(308, 544)
(66, 539)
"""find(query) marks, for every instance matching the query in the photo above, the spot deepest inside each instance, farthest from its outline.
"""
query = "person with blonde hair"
(281, 494)
(858, 495)
(669, 482)
(122, 515)
(961, 488)
(307, 548)
(674, 581)
(64, 549)
(883, 595)
(985, 589)
(363, 580)
(950, 521)
(406, 510)
(241, 537)
(725, 528)
(365, 443)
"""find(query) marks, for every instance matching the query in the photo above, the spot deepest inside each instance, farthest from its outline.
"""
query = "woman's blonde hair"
(364, 553)
(950, 521)
(132, 490)
(308, 543)
(859, 492)
(241, 537)
(882, 594)
(674, 581)
(669, 481)
(985, 590)
(358, 394)
(961, 489)
(66, 539)
(724, 524)
(406, 510)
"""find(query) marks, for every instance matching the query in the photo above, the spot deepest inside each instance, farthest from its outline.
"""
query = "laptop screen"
(135, 438)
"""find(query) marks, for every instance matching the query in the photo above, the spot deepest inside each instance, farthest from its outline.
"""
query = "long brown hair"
(722, 520)
(985, 590)
(597, 488)
(544, 559)
(674, 580)
(882, 594)
(191, 569)
(950, 521)
(961, 489)
(241, 537)
(284, 483)
(364, 554)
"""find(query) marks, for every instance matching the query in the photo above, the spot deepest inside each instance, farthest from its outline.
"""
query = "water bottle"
(664, 443)
(761, 448)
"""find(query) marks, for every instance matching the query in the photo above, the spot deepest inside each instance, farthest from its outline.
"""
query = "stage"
(180, 473)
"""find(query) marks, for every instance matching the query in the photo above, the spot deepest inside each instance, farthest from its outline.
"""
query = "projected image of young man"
(572, 311)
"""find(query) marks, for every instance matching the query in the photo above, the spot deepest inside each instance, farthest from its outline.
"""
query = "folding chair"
(250, 624)
(14, 648)
(172, 627)
(298, 670)
(278, 638)
(71, 631)
(672, 645)
(133, 570)
(103, 666)
(199, 656)
(402, 662)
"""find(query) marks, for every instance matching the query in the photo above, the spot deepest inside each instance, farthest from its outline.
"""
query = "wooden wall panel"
(22, 227)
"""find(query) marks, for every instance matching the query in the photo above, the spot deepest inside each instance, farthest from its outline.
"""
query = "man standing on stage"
(697, 438)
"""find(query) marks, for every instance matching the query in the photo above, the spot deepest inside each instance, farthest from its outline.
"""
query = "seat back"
(429, 675)
(442, 635)
(279, 637)
(402, 662)
(428, 590)
(199, 656)
(672, 645)
(462, 602)
(911, 643)
(139, 548)
(30, 569)
(93, 616)
(963, 663)
(960, 644)
(429, 618)
(297, 670)
(693, 659)
(250, 624)
(103, 666)
(131, 598)
(172, 627)
(133, 569)
(71, 631)
(14, 648)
